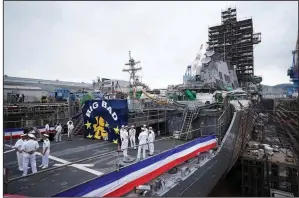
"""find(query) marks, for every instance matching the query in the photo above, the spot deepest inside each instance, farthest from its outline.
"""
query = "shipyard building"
(111, 85)
(234, 41)
(34, 89)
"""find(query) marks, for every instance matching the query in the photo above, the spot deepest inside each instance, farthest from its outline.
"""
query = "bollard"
(5, 183)
(10, 138)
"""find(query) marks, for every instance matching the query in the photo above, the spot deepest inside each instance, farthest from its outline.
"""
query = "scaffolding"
(234, 41)
(150, 113)
(264, 173)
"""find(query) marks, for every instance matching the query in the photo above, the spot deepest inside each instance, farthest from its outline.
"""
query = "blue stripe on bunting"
(80, 190)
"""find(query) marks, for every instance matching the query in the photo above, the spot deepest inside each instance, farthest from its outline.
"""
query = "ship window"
(220, 76)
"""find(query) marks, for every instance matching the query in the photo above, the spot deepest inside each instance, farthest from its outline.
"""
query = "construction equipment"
(12, 97)
(190, 95)
(44, 99)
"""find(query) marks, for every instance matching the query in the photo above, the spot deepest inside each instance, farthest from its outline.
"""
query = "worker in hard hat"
(58, 134)
(142, 144)
(19, 148)
(124, 136)
(29, 153)
(132, 136)
(151, 139)
(46, 151)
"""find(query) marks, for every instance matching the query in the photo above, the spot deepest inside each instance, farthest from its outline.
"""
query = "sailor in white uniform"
(29, 152)
(142, 144)
(18, 147)
(70, 128)
(58, 133)
(132, 134)
(69, 122)
(151, 139)
(146, 146)
(124, 136)
(122, 129)
(47, 128)
(119, 141)
(46, 152)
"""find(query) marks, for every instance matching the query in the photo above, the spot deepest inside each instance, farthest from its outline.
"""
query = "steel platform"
(54, 181)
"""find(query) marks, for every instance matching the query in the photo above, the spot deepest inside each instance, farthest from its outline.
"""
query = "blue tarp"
(103, 118)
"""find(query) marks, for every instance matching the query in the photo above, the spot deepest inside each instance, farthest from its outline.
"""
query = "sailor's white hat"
(31, 135)
(150, 127)
(132, 126)
(122, 126)
(23, 135)
(46, 135)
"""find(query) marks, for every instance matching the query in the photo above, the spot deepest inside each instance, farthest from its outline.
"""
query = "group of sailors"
(58, 129)
(146, 140)
(26, 148)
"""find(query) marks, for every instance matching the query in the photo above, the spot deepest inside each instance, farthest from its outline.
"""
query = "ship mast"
(132, 69)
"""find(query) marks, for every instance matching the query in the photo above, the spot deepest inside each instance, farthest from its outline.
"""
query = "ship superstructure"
(206, 77)
(211, 72)
(234, 40)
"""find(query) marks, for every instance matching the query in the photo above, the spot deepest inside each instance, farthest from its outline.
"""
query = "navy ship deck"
(50, 182)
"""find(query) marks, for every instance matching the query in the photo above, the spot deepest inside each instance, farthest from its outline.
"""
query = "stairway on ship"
(79, 123)
(187, 125)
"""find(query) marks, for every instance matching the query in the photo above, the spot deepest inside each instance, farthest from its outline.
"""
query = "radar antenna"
(132, 70)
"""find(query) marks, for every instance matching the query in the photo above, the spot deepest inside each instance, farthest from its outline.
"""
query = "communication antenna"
(132, 70)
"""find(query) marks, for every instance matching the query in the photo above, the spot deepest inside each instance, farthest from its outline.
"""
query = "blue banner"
(103, 119)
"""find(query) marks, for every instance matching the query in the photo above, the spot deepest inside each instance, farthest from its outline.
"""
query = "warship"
(203, 134)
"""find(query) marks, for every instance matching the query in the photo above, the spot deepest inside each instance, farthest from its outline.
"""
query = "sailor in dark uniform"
(119, 143)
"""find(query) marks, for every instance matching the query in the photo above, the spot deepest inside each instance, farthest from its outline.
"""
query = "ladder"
(187, 123)
(78, 130)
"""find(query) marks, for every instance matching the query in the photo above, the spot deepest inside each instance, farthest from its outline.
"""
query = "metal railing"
(41, 122)
(39, 108)
(30, 123)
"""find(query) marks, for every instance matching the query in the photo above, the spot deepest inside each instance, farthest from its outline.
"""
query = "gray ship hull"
(202, 181)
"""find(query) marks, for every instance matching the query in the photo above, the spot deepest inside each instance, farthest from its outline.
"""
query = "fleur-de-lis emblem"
(99, 128)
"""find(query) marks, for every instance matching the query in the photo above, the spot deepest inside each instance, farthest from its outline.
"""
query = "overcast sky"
(78, 41)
